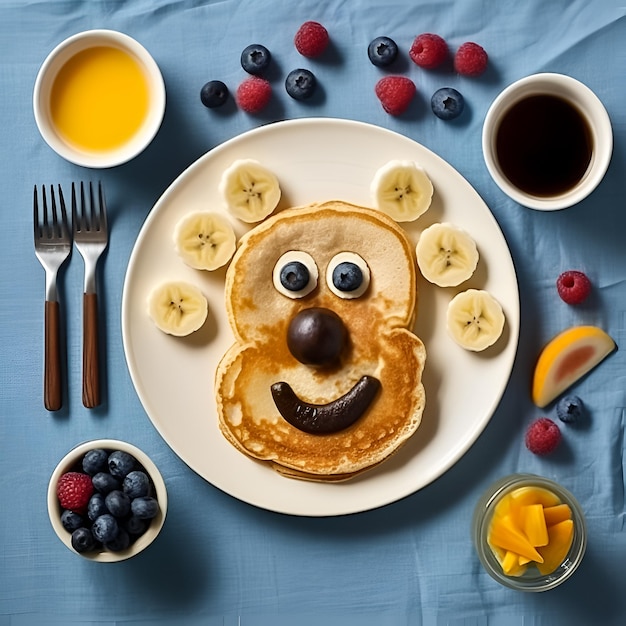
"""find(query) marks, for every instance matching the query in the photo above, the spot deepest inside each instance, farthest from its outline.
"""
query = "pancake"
(380, 345)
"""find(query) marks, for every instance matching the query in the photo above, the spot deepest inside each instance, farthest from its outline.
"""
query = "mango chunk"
(535, 525)
(530, 527)
(558, 513)
(504, 534)
(560, 537)
(511, 565)
(534, 495)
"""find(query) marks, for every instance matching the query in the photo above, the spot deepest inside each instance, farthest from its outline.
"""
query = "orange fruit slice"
(567, 358)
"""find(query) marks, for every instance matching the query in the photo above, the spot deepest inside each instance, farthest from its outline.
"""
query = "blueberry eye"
(348, 275)
(295, 274)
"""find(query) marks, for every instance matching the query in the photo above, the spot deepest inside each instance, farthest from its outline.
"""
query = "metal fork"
(53, 244)
(91, 239)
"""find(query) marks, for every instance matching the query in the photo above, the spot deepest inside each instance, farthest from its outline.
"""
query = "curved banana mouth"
(332, 417)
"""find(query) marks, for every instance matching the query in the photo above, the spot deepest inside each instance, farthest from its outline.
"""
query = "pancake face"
(375, 343)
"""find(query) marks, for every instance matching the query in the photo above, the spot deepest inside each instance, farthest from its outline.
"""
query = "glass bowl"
(531, 580)
(72, 462)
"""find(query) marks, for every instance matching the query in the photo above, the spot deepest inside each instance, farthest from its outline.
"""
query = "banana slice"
(250, 190)
(205, 240)
(178, 308)
(475, 319)
(402, 189)
(446, 255)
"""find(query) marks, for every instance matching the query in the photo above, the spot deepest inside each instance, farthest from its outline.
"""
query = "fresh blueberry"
(105, 528)
(347, 276)
(294, 276)
(71, 521)
(95, 461)
(118, 503)
(145, 507)
(569, 409)
(121, 541)
(135, 526)
(83, 540)
(214, 94)
(121, 463)
(300, 84)
(447, 103)
(103, 482)
(136, 484)
(382, 51)
(96, 506)
(255, 58)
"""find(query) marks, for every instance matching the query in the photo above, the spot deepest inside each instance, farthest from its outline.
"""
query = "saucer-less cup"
(72, 461)
(547, 141)
(99, 98)
(531, 580)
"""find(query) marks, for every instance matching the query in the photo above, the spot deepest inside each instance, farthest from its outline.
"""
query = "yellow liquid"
(99, 99)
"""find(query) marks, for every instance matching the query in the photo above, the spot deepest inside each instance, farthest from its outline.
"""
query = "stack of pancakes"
(380, 343)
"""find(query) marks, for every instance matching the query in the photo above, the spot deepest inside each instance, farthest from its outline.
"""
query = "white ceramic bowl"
(51, 67)
(586, 102)
(72, 462)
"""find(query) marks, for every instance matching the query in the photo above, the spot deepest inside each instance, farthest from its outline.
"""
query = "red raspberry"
(395, 93)
(573, 287)
(428, 50)
(542, 436)
(470, 59)
(74, 490)
(311, 39)
(253, 94)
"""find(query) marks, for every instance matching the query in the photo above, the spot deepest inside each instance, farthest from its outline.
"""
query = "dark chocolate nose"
(317, 337)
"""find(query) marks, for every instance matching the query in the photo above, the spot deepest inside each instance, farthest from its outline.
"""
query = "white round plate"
(315, 160)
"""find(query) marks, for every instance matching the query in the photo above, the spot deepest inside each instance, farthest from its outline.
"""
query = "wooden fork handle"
(52, 388)
(91, 356)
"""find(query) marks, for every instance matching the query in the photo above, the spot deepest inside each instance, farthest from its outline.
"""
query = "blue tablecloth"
(221, 561)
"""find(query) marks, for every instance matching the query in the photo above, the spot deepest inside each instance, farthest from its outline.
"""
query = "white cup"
(599, 130)
(49, 71)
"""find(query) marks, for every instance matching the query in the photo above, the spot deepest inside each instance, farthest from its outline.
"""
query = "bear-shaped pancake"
(322, 383)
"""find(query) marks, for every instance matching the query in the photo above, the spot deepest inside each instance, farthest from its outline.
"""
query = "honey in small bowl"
(99, 98)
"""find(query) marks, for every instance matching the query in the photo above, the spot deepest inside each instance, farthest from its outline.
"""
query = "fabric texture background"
(222, 562)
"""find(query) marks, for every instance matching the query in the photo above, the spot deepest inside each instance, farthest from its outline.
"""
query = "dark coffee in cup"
(544, 145)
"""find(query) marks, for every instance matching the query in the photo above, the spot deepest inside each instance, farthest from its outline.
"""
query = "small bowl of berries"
(107, 500)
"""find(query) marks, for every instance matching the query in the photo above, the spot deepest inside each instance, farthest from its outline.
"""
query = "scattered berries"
(395, 93)
(542, 436)
(569, 409)
(447, 103)
(382, 51)
(470, 59)
(573, 286)
(255, 58)
(74, 490)
(214, 94)
(428, 50)
(300, 84)
(311, 39)
(253, 94)
(117, 512)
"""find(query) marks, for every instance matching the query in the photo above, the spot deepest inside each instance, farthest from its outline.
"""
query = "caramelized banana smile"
(325, 418)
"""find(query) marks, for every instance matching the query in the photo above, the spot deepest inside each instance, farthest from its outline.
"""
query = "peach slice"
(567, 358)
